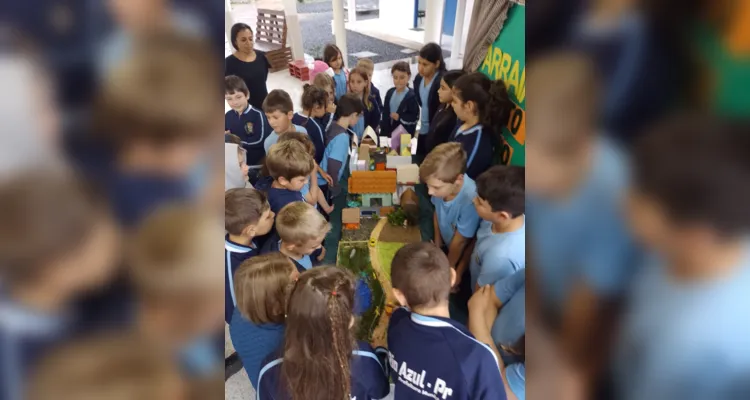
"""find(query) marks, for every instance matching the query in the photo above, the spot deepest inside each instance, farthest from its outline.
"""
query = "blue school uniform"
(510, 324)
(368, 378)
(337, 150)
(405, 105)
(252, 127)
(234, 255)
(440, 358)
(135, 196)
(428, 100)
(278, 198)
(273, 244)
(584, 237)
(254, 343)
(273, 138)
(515, 374)
(375, 92)
(497, 254)
(340, 83)
(477, 142)
(459, 214)
(315, 131)
(685, 339)
(359, 127)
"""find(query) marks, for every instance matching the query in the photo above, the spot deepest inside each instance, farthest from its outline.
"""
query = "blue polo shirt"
(254, 343)
(359, 127)
(396, 99)
(368, 377)
(337, 149)
(340, 83)
(459, 214)
(278, 198)
(438, 358)
(510, 323)
(424, 94)
(477, 143)
(315, 131)
(252, 128)
(497, 254)
(234, 255)
(273, 244)
(273, 138)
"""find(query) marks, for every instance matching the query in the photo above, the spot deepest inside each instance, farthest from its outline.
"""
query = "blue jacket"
(374, 91)
(315, 130)
(408, 113)
(252, 128)
(434, 101)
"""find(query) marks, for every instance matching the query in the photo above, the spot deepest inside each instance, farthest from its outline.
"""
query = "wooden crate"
(270, 34)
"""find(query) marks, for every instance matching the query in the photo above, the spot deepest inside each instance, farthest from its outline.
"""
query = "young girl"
(261, 286)
(314, 102)
(339, 73)
(359, 84)
(431, 67)
(444, 122)
(484, 108)
(326, 83)
(311, 192)
(320, 359)
(401, 107)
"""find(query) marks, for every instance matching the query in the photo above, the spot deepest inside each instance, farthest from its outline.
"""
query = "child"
(321, 359)
(401, 107)
(429, 352)
(57, 242)
(337, 71)
(290, 166)
(369, 67)
(247, 215)
(339, 140)
(484, 108)
(279, 111)
(177, 292)
(325, 82)
(262, 285)
(500, 249)
(455, 219)
(431, 67)
(245, 121)
(300, 229)
(235, 167)
(314, 103)
(359, 84)
(445, 121)
(311, 192)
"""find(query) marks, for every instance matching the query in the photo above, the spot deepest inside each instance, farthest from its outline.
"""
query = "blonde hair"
(367, 65)
(261, 284)
(300, 222)
(445, 162)
(365, 93)
(289, 159)
(324, 81)
(300, 138)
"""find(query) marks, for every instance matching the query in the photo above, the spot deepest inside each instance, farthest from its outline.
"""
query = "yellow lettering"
(497, 54)
(513, 79)
(521, 92)
(504, 67)
(488, 61)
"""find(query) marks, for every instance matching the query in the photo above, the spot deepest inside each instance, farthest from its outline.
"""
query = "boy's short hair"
(105, 366)
(289, 159)
(232, 138)
(171, 250)
(445, 162)
(401, 66)
(234, 84)
(278, 100)
(502, 186)
(299, 222)
(422, 273)
(243, 207)
(45, 214)
(261, 286)
(300, 138)
(163, 93)
(349, 104)
(323, 80)
(367, 65)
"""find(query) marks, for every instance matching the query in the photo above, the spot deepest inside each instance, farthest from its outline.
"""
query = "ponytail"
(313, 96)
(434, 54)
(490, 98)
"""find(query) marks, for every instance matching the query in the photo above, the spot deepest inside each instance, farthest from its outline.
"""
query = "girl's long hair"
(318, 342)
(330, 52)
(491, 98)
(366, 93)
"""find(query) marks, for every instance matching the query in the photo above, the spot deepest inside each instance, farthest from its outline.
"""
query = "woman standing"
(249, 64)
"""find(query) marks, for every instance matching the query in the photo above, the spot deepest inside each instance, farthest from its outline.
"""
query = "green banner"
(506, 60)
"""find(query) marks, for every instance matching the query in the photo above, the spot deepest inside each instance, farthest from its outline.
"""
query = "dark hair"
(313, 96)
(318, 343)
(402, 66)
(236, 29)
(278, 100)
(696, 168)
(243, 207)
(234, 84)
(350, 104)
(491, 98)
(451, 76)
(433, 53)
(503, 187)
(330, 53)
(421, 272)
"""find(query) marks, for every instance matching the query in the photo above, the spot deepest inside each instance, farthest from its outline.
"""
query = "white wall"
(399, 13)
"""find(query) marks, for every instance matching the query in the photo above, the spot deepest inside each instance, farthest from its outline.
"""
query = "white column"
(458, 32)
(352, 10)
(293, 30)
(433, 21)
(228, 20)
(339, 28)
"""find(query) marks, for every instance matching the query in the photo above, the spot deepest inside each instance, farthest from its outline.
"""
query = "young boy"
(301, 230)
(244, 121)
(431, 355)
(339, 138)
(58, 241)
(686, 302)
(247, 215)
(290, 166)
(369, 67)
(500, 249)
(279, 110)
(455, 219)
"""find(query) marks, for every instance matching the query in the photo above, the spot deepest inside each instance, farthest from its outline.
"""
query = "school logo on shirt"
(249, 128)
(416, 381)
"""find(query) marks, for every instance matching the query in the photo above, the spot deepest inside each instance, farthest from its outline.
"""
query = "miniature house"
(364, 154)
(405, 145)
(350, 218)
(393, 162)
(379, 159)
(375, 187)
(407, 174)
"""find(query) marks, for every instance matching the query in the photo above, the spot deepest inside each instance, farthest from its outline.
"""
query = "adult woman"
(249, 64)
